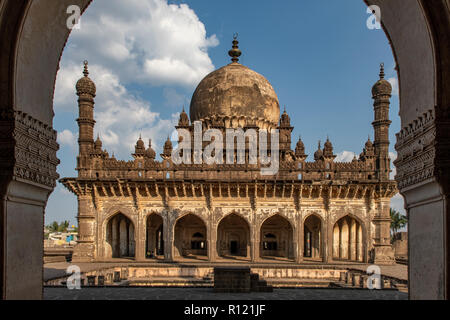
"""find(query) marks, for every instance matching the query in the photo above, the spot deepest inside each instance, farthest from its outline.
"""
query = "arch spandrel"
(113, 210)
(264, 215)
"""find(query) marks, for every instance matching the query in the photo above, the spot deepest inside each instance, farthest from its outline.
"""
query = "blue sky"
(147, 56)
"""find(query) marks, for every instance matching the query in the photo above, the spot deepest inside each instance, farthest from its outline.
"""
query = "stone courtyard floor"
(133, 293)
(55, 270)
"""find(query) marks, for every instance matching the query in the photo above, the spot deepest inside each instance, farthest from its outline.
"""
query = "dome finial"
(86, 70)
(382, 71)
(235, 53)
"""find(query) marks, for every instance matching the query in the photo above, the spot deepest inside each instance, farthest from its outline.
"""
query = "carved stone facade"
(321, 210)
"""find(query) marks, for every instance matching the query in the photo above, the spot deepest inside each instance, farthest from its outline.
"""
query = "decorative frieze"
(416, 151)
(34, 148)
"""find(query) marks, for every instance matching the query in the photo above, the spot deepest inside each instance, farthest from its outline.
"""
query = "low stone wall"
(298, 273)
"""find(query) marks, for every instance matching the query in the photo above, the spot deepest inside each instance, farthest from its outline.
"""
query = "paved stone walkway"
(132, 293)
(57, 270)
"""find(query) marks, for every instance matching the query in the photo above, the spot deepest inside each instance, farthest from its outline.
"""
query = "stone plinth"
(232, 279)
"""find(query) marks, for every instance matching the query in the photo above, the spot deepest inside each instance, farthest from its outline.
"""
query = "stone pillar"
(327, 242)
(212, 241)
(141, 238)
(359, 243)
(295, 244)
(383, 252)
(352, 253)
(168, 226)
(84, 251)
(254, 242)
(131, 240)
(115, 237)
(300, 240)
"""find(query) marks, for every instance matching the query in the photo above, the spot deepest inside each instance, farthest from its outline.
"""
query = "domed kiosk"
(235, 96)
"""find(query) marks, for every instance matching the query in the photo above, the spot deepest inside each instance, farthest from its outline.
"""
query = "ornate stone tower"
(86, 93)
(381, 93)
(85, 250)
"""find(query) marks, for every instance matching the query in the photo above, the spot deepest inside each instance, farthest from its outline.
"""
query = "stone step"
(300, 283)
(170, 282)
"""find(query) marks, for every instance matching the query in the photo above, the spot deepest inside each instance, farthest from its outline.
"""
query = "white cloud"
(393, 156)
(394, 83)
(121, 116)
(345, 156)
(397, 203)
(67, 138)
(145, 41)
(136, 41)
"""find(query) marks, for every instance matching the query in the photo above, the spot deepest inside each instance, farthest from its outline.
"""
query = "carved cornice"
(28, 149)
(252, 191)
(416, 151)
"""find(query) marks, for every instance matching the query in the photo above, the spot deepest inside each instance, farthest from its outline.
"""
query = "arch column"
(168, 227)
(327, 242)
(295, 244)
(212, 239)
(255, 245)
(140, 238)
(300, 239)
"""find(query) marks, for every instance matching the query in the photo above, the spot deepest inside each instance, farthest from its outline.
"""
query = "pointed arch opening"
(276, 238)
(191, 237)
(312, 233)
(348, 242)
(233, 237)
(120, 237)
(154, 244)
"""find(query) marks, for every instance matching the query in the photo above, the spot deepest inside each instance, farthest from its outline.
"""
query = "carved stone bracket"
(416, 151)
(34, 149)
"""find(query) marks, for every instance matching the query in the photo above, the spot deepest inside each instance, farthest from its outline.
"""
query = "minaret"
(381, 93)
(86, 93)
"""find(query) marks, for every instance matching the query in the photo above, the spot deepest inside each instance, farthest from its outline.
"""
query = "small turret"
(167, 153)
(150, 153)
(139, 149)
(318, 155)
(184, 119)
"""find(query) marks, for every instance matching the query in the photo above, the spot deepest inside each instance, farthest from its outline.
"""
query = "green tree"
(64, 226)
(59, 227)
(398, 221)
(53, 227)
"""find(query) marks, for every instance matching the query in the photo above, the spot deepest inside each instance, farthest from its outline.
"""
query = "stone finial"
(235, 53)
(85, 85)
(86, 69)
(382, 71)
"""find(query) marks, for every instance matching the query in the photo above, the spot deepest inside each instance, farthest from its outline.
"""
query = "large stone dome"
(235, 96)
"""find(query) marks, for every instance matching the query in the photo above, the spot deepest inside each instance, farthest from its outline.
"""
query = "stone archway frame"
(417, 31)
(263, 216)
(103, 225)
(364, 230)
(251, 228)
(323, 243)
(146, 214)
(200, 214)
